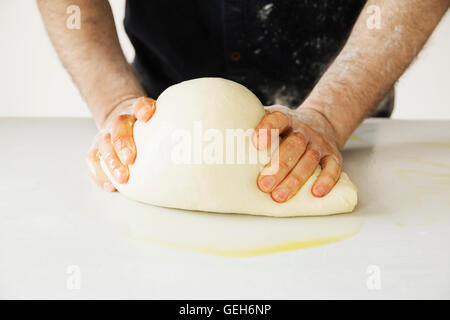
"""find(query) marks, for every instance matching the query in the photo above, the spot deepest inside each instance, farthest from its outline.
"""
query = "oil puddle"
(425, 184)
(227, 235)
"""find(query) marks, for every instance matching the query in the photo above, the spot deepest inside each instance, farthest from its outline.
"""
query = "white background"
(33, 82)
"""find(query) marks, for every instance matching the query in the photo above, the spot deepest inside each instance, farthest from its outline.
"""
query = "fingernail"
(319, 191)
(268, 182)
(108, 187)
(281, 194)
(125, 155)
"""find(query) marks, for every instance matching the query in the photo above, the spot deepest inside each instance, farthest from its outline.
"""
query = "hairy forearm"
(372, 61)
(92, 54)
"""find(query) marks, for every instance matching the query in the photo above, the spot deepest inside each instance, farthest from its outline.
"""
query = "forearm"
(92, 54)
(372, 60)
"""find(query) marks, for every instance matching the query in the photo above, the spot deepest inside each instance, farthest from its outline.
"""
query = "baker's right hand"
(114, 143)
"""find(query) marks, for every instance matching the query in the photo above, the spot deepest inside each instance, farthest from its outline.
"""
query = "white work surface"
(53, 218)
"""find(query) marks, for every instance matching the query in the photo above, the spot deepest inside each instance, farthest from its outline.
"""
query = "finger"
(144, 108)
(112, 163)
(297, 177)
(96, 172)
(282, 161)
(277, 120)
(122, 138)
(331, 171)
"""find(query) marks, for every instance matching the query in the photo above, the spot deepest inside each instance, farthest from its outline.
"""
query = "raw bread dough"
(157, 177)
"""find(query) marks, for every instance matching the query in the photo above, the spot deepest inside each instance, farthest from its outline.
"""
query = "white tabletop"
(61, 237)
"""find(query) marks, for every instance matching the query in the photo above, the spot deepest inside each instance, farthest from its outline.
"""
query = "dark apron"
(277, 49)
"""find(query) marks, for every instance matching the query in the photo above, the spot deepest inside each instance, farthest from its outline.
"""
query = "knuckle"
(265, 125)
(313, 155)
(284, 117)
(297, 179)
(277, 114)
(296, 141)
(122, 121)
(283, 166)
(139, 100)
(337, 157)
(149, 102)
(137, 105)
(328, 179)
(300, 135)
(122, 118)
(332, 161)
(111, 161)
(263, 131)
(117, 139)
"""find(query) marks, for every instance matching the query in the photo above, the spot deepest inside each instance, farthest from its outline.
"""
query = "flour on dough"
(218, 104)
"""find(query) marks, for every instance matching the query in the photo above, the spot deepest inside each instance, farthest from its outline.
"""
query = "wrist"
(103, 97)
(328, 128)
(102, 112)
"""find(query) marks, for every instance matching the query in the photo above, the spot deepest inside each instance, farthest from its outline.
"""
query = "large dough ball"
(163, 175)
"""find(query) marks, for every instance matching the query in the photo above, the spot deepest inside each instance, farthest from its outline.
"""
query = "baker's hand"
(308, 139)
(114, 143)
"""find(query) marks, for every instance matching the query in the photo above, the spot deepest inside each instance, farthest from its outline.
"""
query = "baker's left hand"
(308, 140)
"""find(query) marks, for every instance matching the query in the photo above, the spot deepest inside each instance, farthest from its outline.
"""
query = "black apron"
(277, 49)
